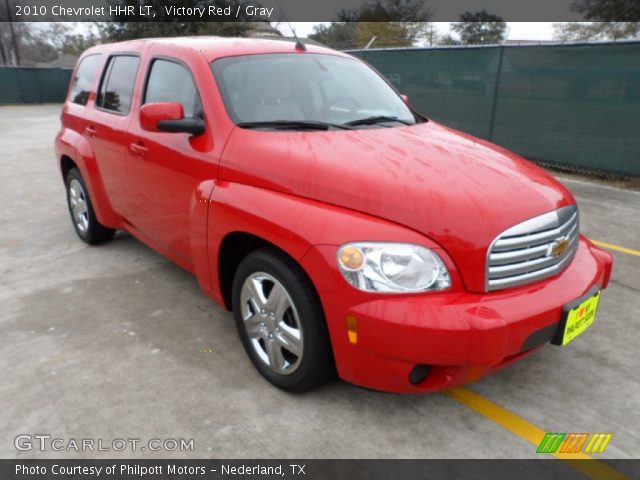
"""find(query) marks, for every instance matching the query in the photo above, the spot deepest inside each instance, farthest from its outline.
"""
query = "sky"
(515, 30)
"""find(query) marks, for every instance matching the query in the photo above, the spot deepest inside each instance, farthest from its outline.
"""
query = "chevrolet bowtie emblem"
(558, 247)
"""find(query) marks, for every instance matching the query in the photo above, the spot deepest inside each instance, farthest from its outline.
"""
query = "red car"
(346, 232)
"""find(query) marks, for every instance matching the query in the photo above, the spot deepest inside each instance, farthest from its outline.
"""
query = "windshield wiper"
(294, 125)
(376, 119)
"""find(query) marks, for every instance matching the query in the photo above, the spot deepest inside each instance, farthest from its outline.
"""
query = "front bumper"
(461, 336)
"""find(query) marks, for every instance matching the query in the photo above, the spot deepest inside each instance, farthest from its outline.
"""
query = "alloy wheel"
(272, 323)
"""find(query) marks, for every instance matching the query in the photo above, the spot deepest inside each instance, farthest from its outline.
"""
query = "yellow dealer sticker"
(580, 318)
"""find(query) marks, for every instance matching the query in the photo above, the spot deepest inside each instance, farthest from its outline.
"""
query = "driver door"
(166, 168)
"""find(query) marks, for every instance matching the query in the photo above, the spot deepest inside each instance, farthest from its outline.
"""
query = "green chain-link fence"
(33, 85)
(575, 106)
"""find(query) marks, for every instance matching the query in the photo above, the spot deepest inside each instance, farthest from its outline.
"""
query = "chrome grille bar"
(513, 242)
(532, 250)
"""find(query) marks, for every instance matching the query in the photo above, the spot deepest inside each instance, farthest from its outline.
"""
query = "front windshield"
(306, 87)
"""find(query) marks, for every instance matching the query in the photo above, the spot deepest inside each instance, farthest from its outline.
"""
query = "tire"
(83, 217)
(281, 322)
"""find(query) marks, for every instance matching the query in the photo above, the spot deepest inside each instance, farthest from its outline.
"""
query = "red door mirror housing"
(404, 98)
(153, 113)
(169, 117)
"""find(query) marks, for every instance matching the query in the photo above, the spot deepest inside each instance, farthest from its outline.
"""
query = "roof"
(217, 47)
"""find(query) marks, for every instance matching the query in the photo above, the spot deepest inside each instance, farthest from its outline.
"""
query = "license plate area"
(577, 316)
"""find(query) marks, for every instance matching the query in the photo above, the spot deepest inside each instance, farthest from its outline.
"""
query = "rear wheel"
(281, 322)
(81, 210)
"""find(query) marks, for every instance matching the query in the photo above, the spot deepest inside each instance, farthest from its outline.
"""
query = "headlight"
(392, 267)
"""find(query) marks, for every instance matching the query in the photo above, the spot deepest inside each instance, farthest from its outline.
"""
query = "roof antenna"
(299, 44)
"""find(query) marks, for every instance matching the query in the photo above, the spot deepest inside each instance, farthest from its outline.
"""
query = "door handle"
(91, 131)
(139, 148)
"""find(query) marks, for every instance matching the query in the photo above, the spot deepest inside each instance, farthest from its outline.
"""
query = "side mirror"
(169, 117)
(404, 98)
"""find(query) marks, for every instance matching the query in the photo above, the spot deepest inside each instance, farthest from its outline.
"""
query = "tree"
(431, 35)
(66, 40)
(166, 25)
(36, 50)
(612, 20)
(7, 51)
(123, 30)
(336, 35)
(9, 36)
(394, 23)
(448, 40)
(586, 31)
(608, 10)
(480, 28)
(25, 45)
(386, 34)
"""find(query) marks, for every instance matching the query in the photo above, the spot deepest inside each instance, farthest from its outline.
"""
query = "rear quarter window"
(83, 79)
(117, 83)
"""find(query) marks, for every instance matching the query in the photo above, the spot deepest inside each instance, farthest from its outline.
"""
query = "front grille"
(533, 250)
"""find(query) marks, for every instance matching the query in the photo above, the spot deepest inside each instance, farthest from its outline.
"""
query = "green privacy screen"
(575, 106)
(33, 85)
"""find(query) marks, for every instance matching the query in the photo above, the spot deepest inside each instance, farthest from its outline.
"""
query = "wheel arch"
(66, 164)
(73, 150)
(234, 247)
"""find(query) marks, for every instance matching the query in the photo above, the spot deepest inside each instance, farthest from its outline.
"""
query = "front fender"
(295, 224)
(71, 144)
(298, 226)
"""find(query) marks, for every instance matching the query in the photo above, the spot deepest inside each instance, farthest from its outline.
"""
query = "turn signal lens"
(352, 329)
(351, 258)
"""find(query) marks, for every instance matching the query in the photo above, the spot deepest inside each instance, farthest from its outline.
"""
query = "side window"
(117, 83)
(172, 82)
(83, 80)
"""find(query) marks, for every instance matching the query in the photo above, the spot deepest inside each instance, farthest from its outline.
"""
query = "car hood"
(458, 190)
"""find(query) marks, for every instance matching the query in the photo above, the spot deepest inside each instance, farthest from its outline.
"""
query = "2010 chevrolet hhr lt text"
(347, 233)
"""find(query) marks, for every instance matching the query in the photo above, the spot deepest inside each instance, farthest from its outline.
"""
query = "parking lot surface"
(115, 341)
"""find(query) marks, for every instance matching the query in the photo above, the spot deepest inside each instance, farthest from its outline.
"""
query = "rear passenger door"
(107, 128)
(164, 168)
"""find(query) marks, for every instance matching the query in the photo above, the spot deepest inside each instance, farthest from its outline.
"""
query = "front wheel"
(281, 322)
(83, 217)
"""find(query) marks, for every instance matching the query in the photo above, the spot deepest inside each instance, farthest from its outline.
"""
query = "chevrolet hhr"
(349, 234)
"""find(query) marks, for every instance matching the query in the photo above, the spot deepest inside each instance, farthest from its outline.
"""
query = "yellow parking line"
(617, 248)
(531, 433)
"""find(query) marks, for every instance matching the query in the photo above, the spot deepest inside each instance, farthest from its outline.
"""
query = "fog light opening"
(419, 373)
